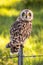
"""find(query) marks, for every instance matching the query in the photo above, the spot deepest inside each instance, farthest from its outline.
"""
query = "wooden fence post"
(20, 55)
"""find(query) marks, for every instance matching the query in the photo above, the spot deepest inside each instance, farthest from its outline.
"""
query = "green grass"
(9, 11)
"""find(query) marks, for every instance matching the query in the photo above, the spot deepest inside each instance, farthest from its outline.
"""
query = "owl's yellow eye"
(29, 14)
(23, 14)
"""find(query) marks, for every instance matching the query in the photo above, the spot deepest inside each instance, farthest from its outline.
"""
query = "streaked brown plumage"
(20, 30)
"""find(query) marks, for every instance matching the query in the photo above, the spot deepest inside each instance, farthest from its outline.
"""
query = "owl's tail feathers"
(15, 49)
(8, 45)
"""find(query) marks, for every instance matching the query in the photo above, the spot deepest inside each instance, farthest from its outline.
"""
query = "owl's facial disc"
(26, 15)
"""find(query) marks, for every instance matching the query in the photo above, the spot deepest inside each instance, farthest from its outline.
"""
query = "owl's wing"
(14, 33)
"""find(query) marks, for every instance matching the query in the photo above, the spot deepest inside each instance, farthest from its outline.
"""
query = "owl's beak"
(26, 16)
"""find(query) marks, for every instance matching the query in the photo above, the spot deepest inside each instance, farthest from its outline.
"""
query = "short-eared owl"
(20, 30)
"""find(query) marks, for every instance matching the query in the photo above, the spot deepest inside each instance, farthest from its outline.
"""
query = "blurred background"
(9, 11)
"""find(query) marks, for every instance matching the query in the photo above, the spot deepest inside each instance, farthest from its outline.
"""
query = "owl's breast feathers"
(20, 30)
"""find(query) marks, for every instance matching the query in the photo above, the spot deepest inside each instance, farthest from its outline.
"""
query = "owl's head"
(26, 15)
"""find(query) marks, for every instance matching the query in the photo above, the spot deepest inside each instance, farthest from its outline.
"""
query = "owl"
(20, 30)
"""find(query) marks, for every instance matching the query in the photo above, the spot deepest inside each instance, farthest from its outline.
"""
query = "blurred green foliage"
(9, 11)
